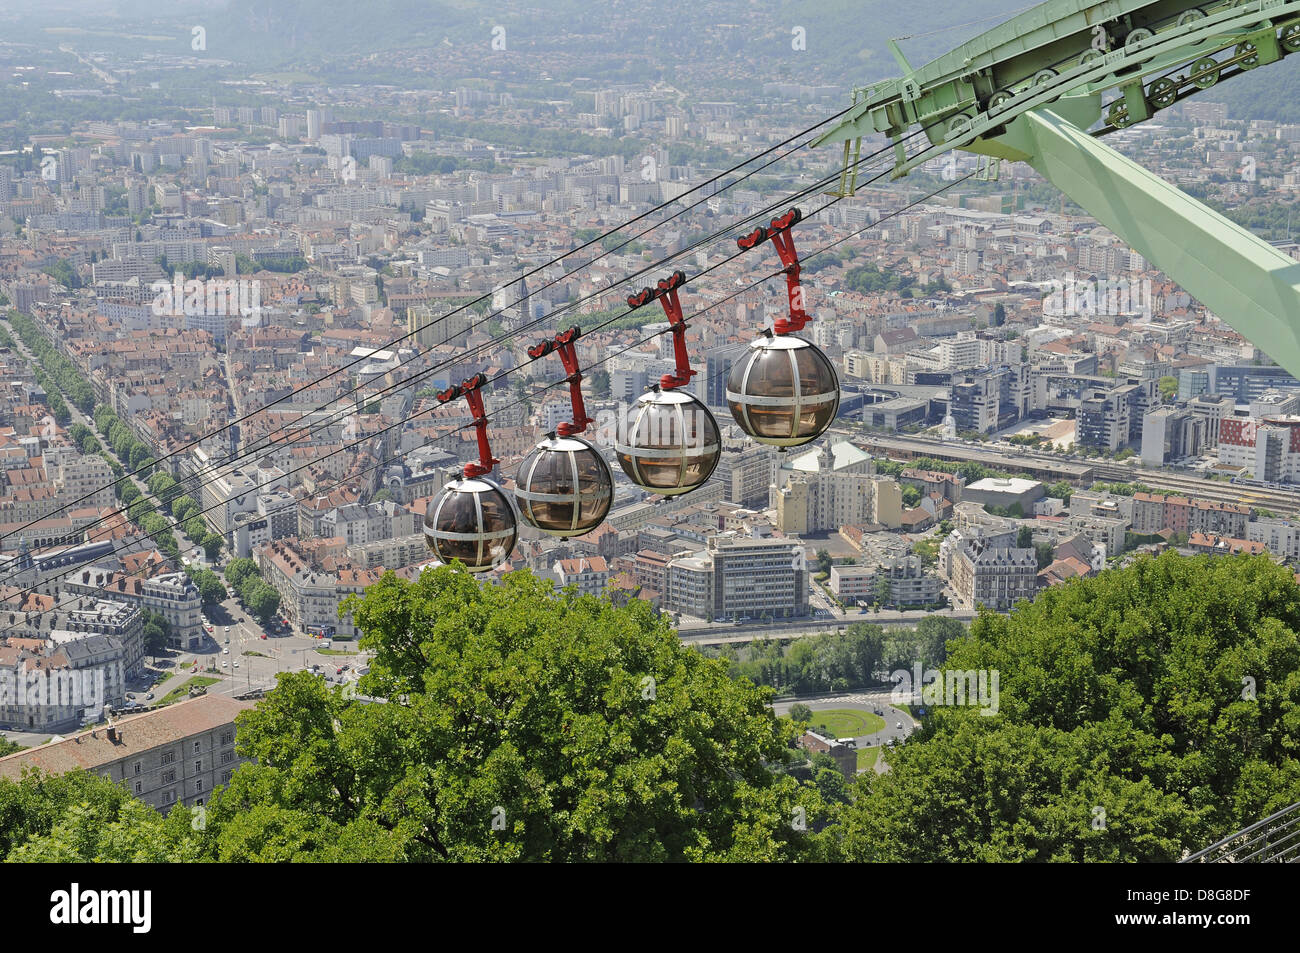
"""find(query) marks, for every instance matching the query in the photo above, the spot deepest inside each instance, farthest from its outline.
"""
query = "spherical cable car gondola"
(669, 442)
(564, 486)
(472, 519)
(785, 391)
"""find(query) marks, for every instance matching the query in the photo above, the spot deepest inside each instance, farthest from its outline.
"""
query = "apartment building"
(1153, 512)
(836, 486)
(745, 475)
(390, 553)
(1114, 418)
(225, 496)
(589, 574)
(1281, 536)
(54, 684)
(121, 620)
(996, 577)
(308, 596)
(176, 754)
(901, 580)
(173, 595)
(739, 577)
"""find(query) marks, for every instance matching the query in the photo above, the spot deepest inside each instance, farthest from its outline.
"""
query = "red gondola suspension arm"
(566, 344)
(666, 293)
(473, 394)
(781, 234)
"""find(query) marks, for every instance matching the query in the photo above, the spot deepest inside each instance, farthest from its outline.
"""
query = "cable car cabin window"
(594, 487)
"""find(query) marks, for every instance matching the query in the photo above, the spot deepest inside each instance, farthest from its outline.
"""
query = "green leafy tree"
(139, 453)
(824, 561)
(928, 550)
(237, 570)
(259, 598)
(155, 636)
(184, 508)
(210, 587)
(212, 544)
(1156, 728)
(884, 590)
(1044, 554)
(586, 731)
(800, 714)
(1061, 490)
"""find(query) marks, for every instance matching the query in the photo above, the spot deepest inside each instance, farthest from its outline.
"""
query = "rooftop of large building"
(133, 734)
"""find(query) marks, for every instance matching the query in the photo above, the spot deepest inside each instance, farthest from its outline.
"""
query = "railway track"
(1282, 502)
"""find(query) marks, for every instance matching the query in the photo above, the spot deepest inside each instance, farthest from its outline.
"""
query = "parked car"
(149, 697)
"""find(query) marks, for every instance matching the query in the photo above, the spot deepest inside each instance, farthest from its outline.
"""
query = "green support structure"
(1030, 90)
(1237, 275)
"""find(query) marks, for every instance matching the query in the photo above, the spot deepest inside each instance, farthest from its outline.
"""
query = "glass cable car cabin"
(784, 392)
(670, 443)
(471, 520)
(564, 487)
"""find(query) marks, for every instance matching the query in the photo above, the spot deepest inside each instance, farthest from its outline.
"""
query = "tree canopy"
(1160, 698)
(521, 724)
(1138, 714)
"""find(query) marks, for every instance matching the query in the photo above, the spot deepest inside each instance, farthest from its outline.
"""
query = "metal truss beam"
(1240, 277)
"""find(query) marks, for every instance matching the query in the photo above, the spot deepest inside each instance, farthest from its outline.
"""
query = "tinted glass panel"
(553, 474)
(497, 516)
(595, 487)
(816, 376)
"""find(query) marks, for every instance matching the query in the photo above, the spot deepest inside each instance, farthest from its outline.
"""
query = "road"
(723, 633)
(108, 79)
(277, 653)
(187, 545)
(873, 702)
(1284, 502)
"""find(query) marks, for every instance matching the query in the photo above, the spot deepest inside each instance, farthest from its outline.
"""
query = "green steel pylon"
(1030, 89)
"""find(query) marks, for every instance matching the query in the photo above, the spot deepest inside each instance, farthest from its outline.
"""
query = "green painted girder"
(1057, 34)
(1240, 277)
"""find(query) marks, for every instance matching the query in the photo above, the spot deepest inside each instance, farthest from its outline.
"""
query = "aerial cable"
(245, 453)
(31, 589)
(559, 259)
(310, 427)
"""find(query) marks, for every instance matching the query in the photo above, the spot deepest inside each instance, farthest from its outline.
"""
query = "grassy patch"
(258, 654)
(867, 758)
(183, 690)
(335, 652)
(846, 722)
